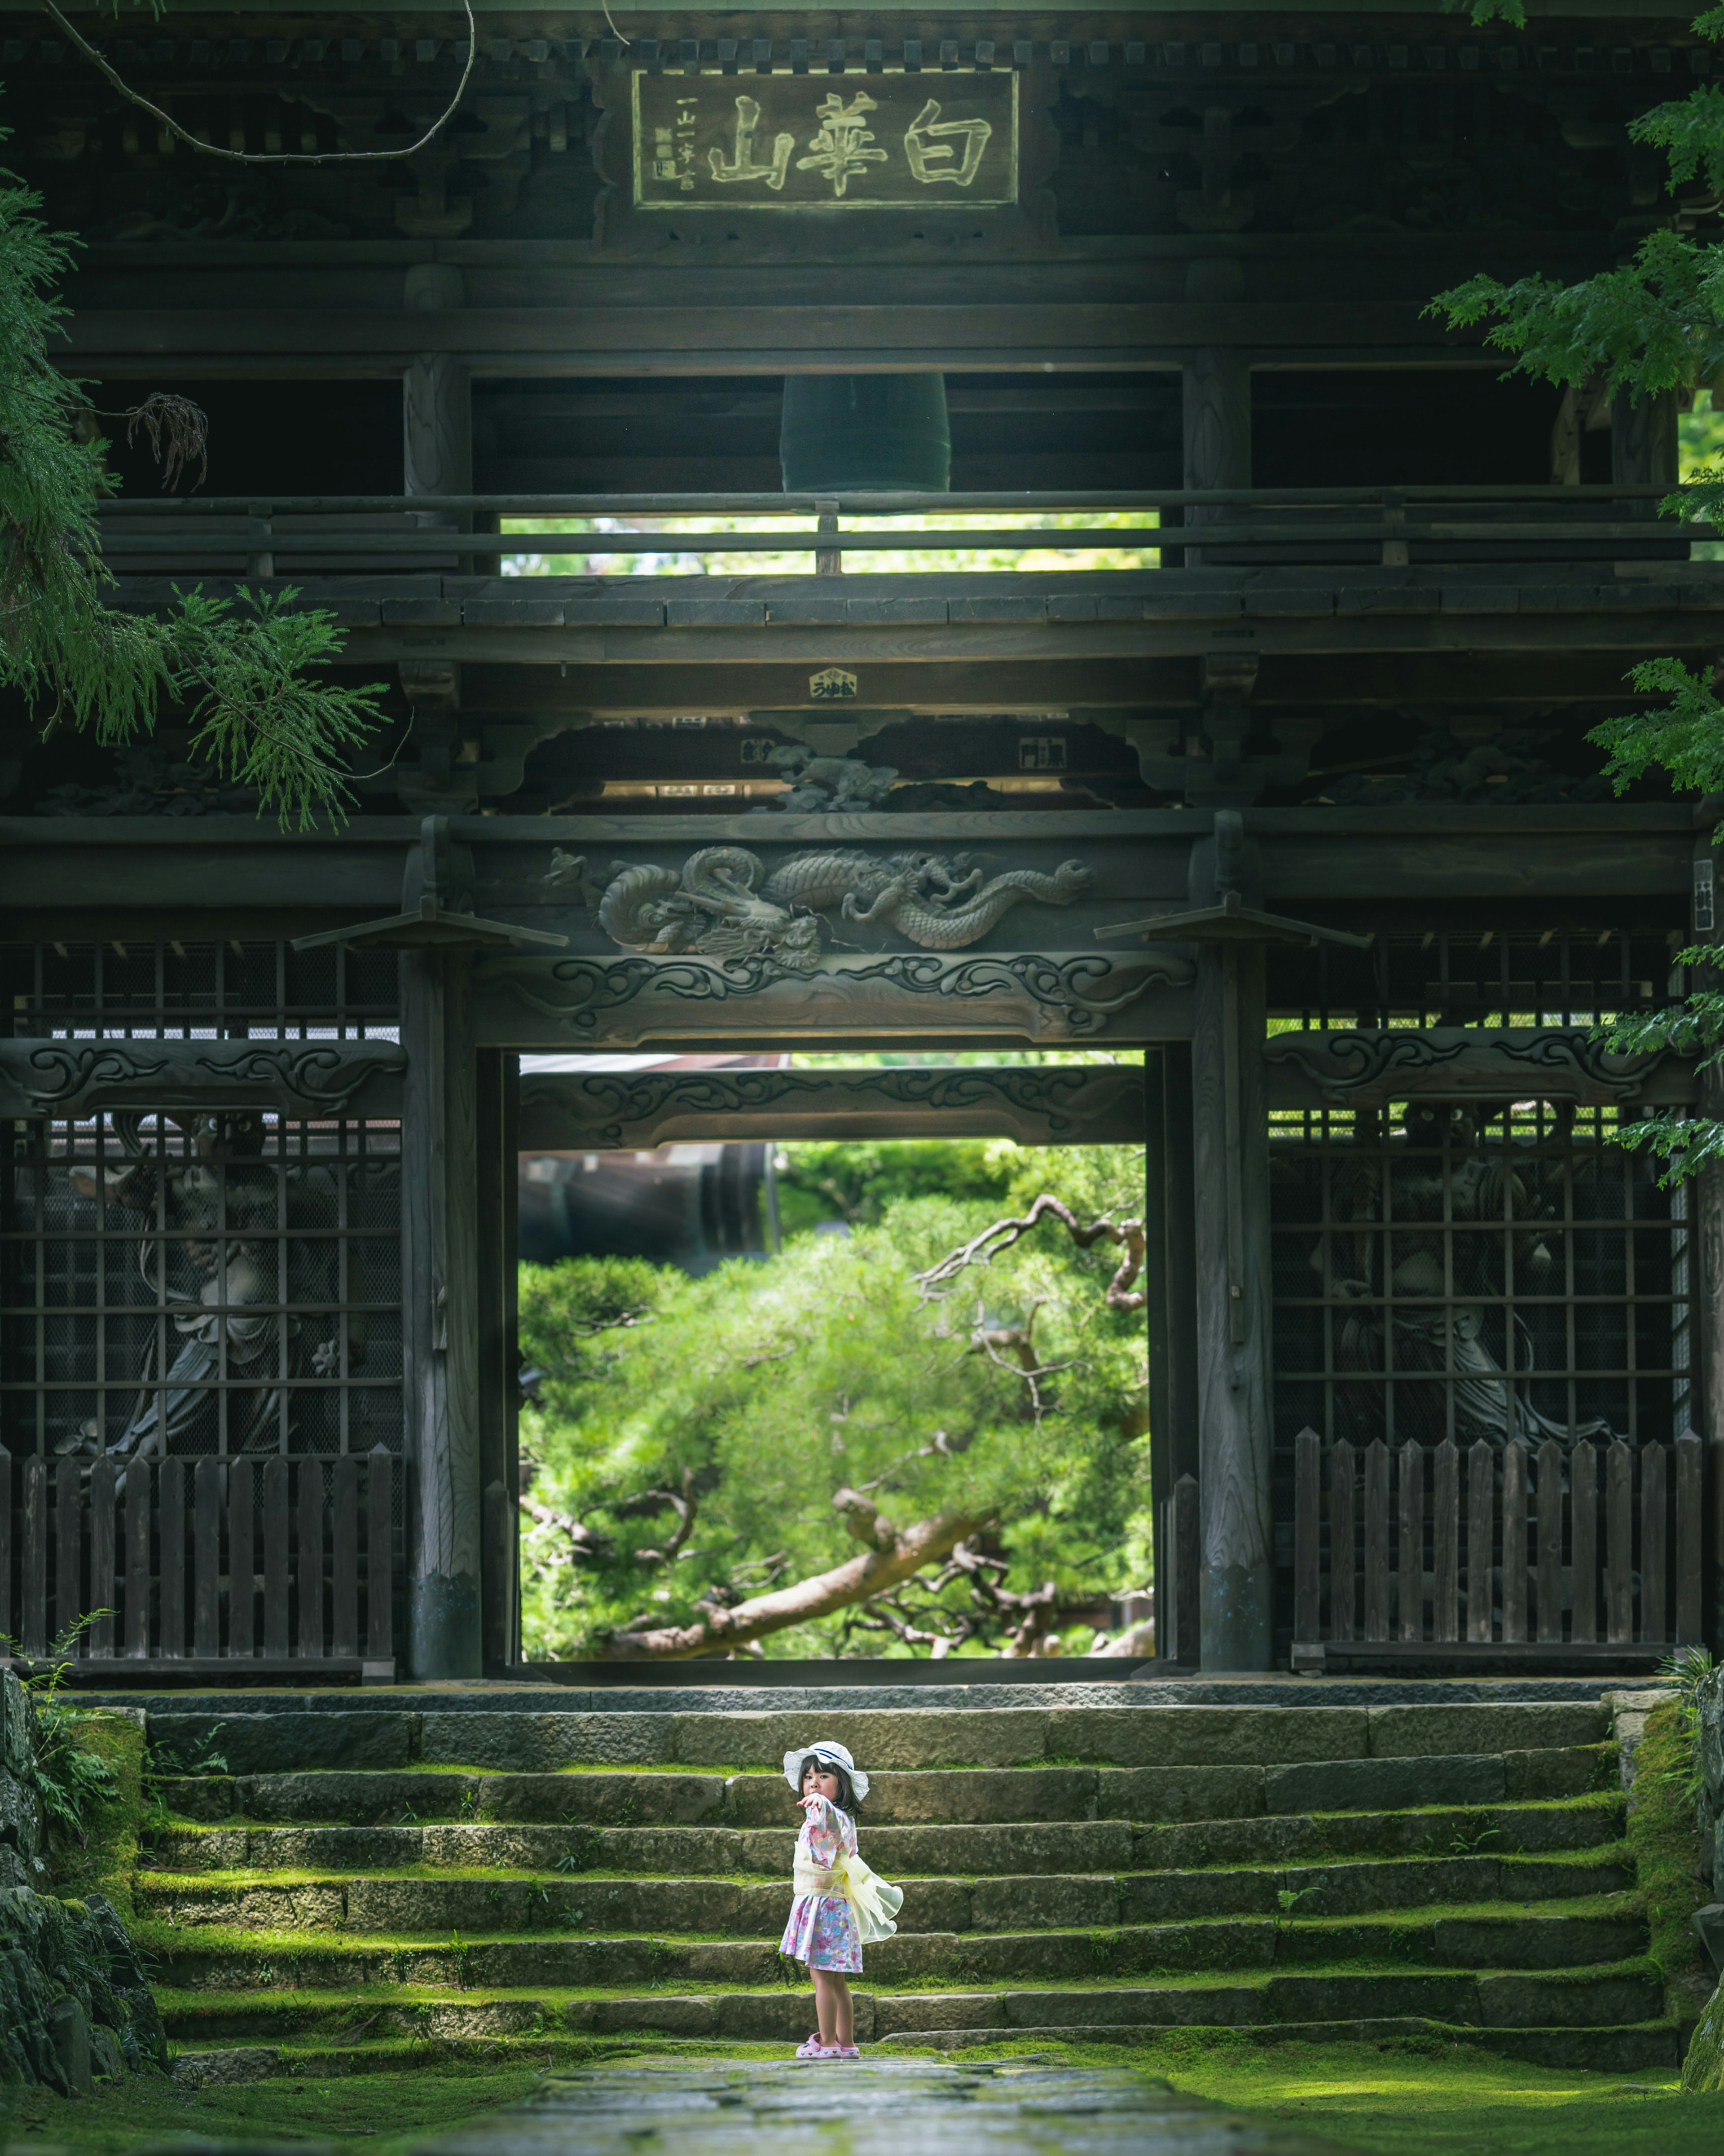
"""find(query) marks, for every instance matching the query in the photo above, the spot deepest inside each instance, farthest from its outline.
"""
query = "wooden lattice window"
(1469, 1270)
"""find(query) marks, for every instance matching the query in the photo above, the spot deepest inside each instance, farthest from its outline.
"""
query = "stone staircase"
(466, 1870)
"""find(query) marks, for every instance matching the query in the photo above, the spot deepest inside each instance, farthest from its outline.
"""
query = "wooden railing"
(266, 1565)
(1580, 1550)
(1392, 525)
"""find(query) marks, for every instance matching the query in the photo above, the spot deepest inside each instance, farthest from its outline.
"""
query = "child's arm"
(825, 1830)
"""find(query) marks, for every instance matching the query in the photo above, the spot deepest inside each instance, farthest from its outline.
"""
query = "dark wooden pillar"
(1179, 1229)
(437, 415)
(1705, 1201)
(1155, 1274)
(1217, 417)
(1231, 1159)
(1706, 1219)
(498, 1120)
(1644, 448)
(1170, 1275)
(441, 1269)
(1218, 429)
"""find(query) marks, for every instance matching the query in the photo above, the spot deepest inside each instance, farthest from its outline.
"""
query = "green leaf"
(1691, 131)
(1482, 12)
(262, 718)
(1655, 324)
(263, 714)
(1684, 737)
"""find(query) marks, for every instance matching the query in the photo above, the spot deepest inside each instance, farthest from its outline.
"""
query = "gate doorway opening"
(922, 1346)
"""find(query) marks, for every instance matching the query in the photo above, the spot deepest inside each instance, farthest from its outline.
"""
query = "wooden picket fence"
(259, 1565)
(1582, 1547)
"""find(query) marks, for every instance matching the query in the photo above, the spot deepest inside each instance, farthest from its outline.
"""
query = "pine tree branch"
(981, 1250)
(720, 1630)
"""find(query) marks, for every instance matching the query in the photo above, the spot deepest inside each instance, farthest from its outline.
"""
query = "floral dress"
(821, 1930)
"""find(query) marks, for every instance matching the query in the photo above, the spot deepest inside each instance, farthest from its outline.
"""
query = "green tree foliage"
(67, 1777)
(854, 1182)
(689, 1437)
(1650, 326)
(257, 713)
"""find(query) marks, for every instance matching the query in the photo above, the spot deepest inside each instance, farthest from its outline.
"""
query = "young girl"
(839, 1903)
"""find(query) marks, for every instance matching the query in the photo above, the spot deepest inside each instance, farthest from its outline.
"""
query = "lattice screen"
(1446, 1270)
(182, 1285)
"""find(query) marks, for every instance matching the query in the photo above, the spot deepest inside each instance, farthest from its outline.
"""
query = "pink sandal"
(848, 2051)
(813, 2048)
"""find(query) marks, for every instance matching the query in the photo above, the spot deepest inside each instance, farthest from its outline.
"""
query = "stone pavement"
(868, 2108)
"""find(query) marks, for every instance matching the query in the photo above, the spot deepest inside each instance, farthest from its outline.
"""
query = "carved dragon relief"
(720, 904)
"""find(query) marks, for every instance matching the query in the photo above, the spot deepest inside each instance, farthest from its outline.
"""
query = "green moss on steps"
(1665, 1840)
(103, 1862)
(1428, 2095)
(367, 2115)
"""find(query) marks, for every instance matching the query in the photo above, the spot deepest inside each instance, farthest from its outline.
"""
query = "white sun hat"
(829, 1755)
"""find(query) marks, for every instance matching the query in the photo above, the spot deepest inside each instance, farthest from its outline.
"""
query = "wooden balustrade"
(268, 1564)
(1535, 1551)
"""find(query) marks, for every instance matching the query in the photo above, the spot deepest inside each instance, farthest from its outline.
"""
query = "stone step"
(218, 1965)
(1647, 2047)
(1152, 1735)
(1079, 1845)
(1643, 2047)
(204, 1956)
(963, 1852)
(1493, 2000)
(893, 1850)
(1293, 1837)
(932, 1797)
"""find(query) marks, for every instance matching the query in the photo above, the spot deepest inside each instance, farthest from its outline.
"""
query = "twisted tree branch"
(981, 1250)
(876, 1571)
(584, 1544)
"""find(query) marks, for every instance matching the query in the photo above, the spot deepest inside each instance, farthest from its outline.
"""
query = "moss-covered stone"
(986, 1795)
(1663, 1836)
(1385, 1784)
(620, 1800)
(1583, 1999)
(274, 1743)
(1206, 1736)
(1525, 1940)
(68, 1972)
(1703, 2068)
(1158, 1897)
(102, 1856)
(1179, 1793)
(1569, 1772)
(1426, 1732)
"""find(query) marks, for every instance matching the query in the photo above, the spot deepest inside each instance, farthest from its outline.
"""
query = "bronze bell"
(866, 433)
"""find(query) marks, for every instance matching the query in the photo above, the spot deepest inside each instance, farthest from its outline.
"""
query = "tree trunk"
(873, 1572)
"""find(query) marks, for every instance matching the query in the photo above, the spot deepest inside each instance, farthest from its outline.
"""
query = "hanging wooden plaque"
(821, 144)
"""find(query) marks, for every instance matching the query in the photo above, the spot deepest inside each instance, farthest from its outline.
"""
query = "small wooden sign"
(815, 143)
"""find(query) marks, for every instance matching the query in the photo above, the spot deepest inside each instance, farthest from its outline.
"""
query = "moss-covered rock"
(1664, 1841)
(102, 1856)
(74, 2008)
(1703, 2069)
(1711, 1746)
(73, 1998)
